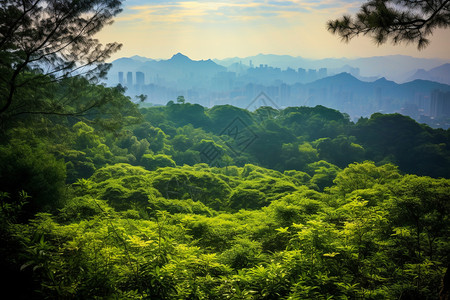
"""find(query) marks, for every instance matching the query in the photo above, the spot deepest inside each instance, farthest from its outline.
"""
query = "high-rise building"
(440, 104)
(140, 79)
(312, 74)
(323, 72)
(130, 79)
(121, 78)
(379, 98)
(423, 102)
(301, 73)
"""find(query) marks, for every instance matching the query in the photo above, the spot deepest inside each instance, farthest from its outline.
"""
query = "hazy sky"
(220, 29)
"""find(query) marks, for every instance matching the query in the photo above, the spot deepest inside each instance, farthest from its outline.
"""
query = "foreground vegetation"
(184, 202)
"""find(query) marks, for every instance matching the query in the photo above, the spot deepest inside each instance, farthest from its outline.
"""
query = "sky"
(229, 28)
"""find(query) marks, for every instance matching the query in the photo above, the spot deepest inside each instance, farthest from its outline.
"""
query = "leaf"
(26, 265)
(333, 254)
(282, 229)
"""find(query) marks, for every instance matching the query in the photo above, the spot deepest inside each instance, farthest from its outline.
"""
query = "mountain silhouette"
(180, 58)
(347, 82)
(394, 67)
(208, 83)
(360, 98)
(439, 74)
(179, 70)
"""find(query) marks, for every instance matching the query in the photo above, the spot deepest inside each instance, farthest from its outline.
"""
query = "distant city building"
(290, 70)
(129, 79)
(312, 74)
(140, 79)
(440, 104)
(423, 102)
(121, 78)
(285, 93)
(323, 72)
(223, 81)
(301, 73)
(379, 94)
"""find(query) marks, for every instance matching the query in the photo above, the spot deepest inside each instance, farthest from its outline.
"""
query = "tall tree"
(409, 21)
(46, 40)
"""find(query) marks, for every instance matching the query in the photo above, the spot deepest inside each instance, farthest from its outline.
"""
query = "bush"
(33, 170)
(152, 162)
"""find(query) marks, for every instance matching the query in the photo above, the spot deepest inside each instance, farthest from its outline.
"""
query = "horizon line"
(280, 55)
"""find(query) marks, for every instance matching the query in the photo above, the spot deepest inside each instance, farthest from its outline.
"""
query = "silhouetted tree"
(409, 21)
(180, 99)
(42, 41)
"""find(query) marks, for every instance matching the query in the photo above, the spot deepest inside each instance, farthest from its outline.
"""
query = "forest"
(133, 201)
(107, 197)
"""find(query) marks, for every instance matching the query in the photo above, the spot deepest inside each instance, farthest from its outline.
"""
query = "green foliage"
(186, 113)
(383, 237)
(364, 176)
(247, 199)
(146, 213)
(412, 146)
(295, 208)
(323, 174)
(222, 116)
(292, 138)
(340, 151)
(118, 171)
(244, 253)
(81, 208)
(184, 183)
(32, 170)
(297, 157)
(34, 54)
(155, 136)
(153, 162)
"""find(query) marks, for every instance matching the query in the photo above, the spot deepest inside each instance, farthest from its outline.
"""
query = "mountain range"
(359, 98)
(343, 85)
(173, 71)
(438, 74)
(398, 68)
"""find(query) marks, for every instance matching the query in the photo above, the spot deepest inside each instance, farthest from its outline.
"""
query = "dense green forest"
(102, 198)
(187, 202)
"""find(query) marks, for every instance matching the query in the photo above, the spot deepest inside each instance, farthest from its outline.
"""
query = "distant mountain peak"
(140, 58)
(341, 78)
(384, 82)
(439, 74)
(344, 75)
(180, 57)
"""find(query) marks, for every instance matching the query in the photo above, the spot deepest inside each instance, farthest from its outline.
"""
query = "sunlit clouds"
(217, 11)
(218, 29)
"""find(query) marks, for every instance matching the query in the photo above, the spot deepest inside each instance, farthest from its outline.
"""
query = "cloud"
(170, 12)
(209, 28)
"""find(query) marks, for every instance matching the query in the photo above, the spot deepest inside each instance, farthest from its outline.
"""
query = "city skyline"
(214, 29)
(208, 84)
